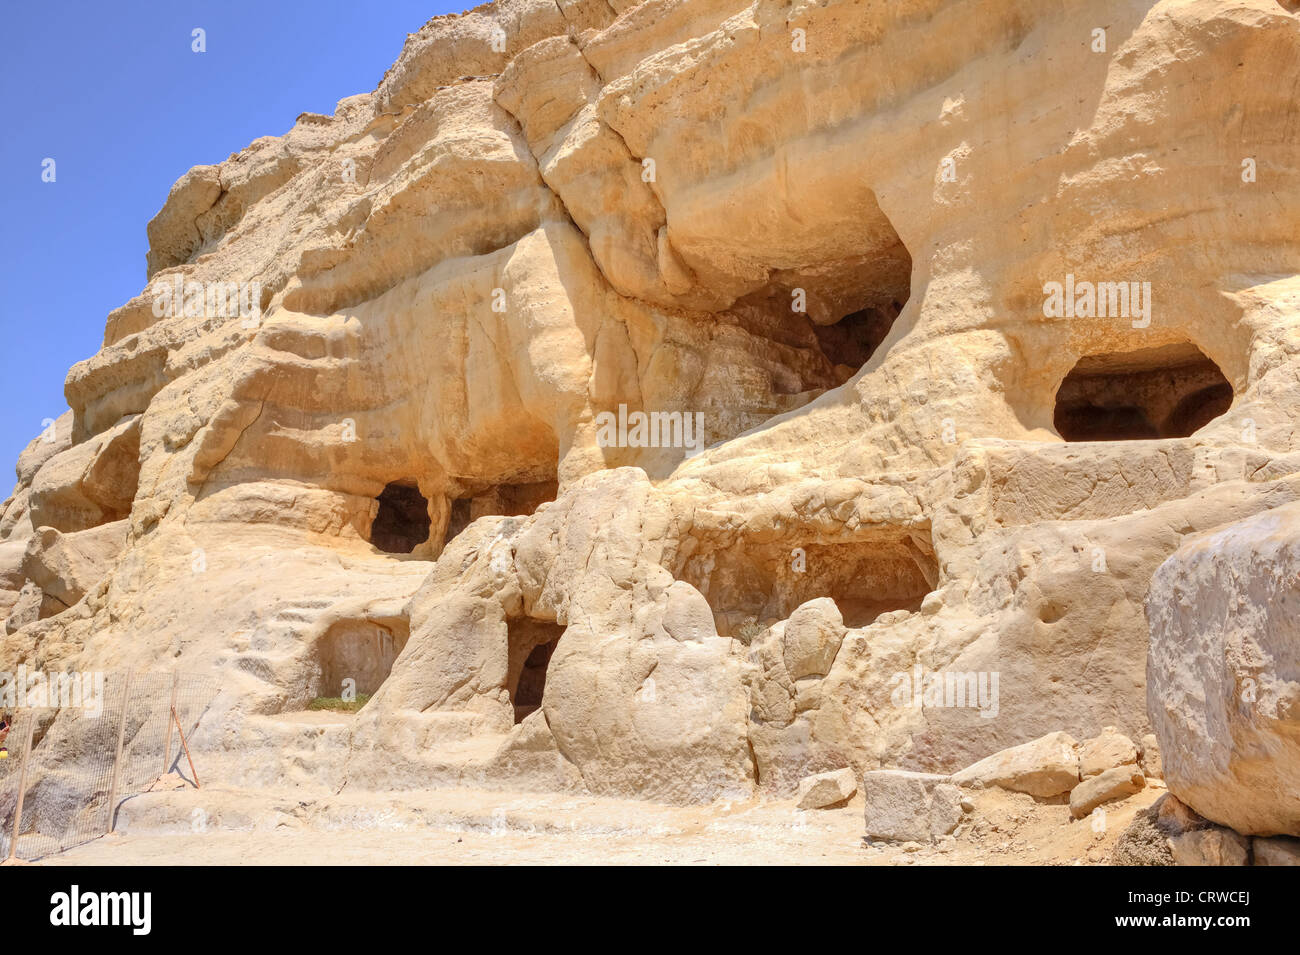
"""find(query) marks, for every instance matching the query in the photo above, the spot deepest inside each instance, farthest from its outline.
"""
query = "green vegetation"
(338, 704)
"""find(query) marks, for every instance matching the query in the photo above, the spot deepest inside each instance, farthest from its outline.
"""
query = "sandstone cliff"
(830, 230)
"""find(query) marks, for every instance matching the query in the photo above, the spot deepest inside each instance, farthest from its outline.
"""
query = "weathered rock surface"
(1277, 850)
(910, 807)
(826, 789)
(1223, 676)
(919, 511)
(1149, 758)
(1213, 846)
(1107, 751)
(1110, 784)
(1047, 766)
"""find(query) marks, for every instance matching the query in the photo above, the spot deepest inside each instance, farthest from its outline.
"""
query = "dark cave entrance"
(501, 500)
(362, 651)
(850, 342)
(756, 584)
(531, 645)
(1167, 392)
(402, 522)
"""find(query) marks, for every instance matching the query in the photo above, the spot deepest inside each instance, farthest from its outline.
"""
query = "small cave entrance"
(359, 651)
(1167, 392)
(531, 644)
(402, 521)
(823, 322)
(500, 500)
(750, 585)
(849, 343)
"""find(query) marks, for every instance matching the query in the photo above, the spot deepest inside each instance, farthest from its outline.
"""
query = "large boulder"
(1223, 672)
(909, 807)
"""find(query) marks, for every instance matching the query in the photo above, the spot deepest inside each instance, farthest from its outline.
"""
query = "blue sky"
(114, 94)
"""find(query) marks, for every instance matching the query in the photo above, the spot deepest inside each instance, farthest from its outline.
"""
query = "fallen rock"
(1223, 672)
(1213, 846)
(1114, 783)
(1149, 758)
(1112, 748)
(910, 807)
(827, 789)
(1276, 850)
(1047, 766)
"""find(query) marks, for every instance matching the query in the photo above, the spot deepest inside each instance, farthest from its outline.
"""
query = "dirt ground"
(215, 827)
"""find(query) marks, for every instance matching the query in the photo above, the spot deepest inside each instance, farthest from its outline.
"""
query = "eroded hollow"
(1167, 392)
(754, 585)
(531, 645)
(850, 342)
(501, 500)
(402, 522)
(360, 651)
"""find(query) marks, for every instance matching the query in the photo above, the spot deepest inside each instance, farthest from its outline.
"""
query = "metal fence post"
(117, 756)
(22, 786)
(167, 753)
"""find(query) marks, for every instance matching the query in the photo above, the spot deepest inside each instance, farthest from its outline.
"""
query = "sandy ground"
(230, 827)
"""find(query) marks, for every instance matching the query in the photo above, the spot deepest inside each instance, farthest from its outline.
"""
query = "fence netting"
(72, 766)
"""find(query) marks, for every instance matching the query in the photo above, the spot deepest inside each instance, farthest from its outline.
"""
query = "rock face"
(678, 399)
(1223, 676)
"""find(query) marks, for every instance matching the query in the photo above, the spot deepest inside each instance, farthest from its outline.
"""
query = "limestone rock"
(645, 408)
(1223, 673)
(31, 605)
(812, 637)
(827, 789)
(1115, 783)
(910, 807)
(687, 616)
(1047, 766)
(1275, 850)
(1107, 751)
(1176, 817)
(65, 566)
(1149, 760)
(1214, 846)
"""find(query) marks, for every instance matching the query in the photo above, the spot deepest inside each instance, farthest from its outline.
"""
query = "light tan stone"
(548, 214)
(1114, 783)
(826, 789)
(1275, 850)
(1047, 766)
(1107, 751)
(1215, 846)
(1224, 672)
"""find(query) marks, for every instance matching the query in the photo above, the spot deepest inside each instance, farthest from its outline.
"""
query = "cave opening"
(752, 585)
(402, 522)
(499, 500)
(358, 655)
(849, 343)
(531, 644)
(1167, 392)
